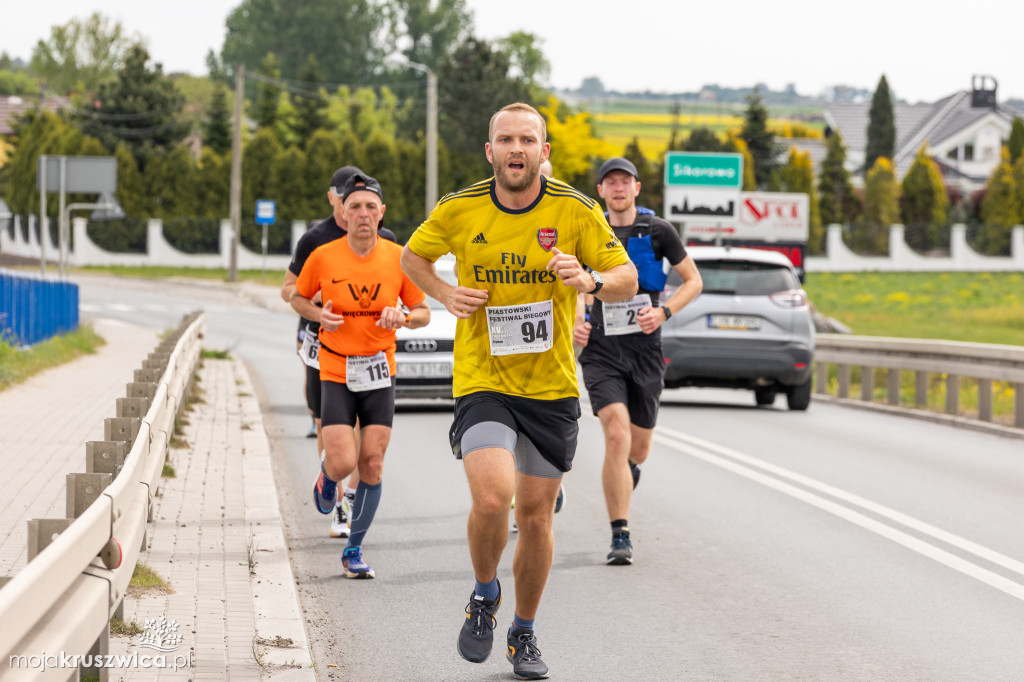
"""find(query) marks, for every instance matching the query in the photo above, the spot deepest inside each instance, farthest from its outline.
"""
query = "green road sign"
(704, 169)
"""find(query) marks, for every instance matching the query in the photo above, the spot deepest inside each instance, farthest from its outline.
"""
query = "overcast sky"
(926, 51)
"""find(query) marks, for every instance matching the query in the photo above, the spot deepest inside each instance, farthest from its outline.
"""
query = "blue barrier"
(33, 309)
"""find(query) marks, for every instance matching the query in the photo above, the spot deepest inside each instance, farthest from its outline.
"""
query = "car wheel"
(764, 395)
(799, 397)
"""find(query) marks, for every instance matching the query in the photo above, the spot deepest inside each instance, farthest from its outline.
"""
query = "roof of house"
(915, 123)
(13, 106)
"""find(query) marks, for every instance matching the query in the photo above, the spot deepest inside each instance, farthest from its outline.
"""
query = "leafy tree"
(141, 108)
(380, 154)
(17, 83)
(132, 192)
(881, 125)
(797, 175)
(268, 93)
(37, 133)
(431, 29)
(291, 188)
(760, 141)
(324, 155)
(574, 149)
(472, 84)
(311, 104)
(258, 177)
(703, 139)
(591, 87)
(881, 209)
(217, 134)
(82, 54)
(650, 187)
(349, 38)
(1016, 142)
(739, 146)
(1000, 209)
(526, 57)
(839, 203)
(213, 188)
(924, 202)
(172, 177)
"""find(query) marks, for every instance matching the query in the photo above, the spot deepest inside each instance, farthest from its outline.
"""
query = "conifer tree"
(881, 208)
(839, 204)
(268, 94)
(217, 132)
(760, 141)
(1016, 142)
(311, 104)
(1000, 209)
(924, 203)
(881, 126)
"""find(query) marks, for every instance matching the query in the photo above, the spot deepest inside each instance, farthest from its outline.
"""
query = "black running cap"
(614, 164)
(341, 176)
(359, 182)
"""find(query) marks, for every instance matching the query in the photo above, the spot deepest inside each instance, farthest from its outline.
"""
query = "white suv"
(751, 327)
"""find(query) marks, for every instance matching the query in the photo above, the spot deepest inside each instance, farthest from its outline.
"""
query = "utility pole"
(431, 198)
(236, 173)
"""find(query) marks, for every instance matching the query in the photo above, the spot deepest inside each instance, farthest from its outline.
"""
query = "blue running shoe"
(634, 470)
(325, 492)
(622, 549)
(560, 500)
(355, 567)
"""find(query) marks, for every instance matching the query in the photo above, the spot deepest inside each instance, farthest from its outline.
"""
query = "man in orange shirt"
(361, 284)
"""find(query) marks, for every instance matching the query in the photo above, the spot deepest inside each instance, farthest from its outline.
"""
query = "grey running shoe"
(634, 469)
(560, 500)
(477, 634)
(524, 655)
(622, 549)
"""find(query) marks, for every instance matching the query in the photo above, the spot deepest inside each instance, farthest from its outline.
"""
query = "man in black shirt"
(623, 365)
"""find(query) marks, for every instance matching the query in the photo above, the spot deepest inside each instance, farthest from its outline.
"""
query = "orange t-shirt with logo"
(358, 288)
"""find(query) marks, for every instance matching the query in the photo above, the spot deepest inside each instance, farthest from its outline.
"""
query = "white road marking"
(704, 450)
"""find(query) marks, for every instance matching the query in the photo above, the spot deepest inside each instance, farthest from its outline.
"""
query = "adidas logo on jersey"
(479, 239)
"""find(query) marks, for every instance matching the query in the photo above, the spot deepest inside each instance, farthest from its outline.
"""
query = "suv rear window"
(741, 278)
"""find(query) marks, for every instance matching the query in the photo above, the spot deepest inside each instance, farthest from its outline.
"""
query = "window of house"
(969, 151)
(953, 153)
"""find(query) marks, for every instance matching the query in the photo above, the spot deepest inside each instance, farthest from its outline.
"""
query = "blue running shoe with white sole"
(477, 634)
(355, 567)
(325, 492)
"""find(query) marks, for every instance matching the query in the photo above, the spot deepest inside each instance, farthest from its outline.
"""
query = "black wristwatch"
(598, 282)
(667, 311)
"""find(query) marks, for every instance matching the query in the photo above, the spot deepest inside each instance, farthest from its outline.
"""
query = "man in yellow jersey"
(520, 242)
(360, 282)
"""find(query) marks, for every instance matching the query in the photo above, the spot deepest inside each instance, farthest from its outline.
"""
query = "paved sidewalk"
(214, 520)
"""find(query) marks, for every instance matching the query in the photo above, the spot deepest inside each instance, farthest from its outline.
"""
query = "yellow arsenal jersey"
(521, 342)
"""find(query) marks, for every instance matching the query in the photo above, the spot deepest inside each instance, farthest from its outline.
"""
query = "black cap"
(341, 176)
(360, 182)
(614, 164)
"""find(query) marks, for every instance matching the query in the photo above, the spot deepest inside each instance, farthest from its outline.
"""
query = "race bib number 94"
(520, 328)
(620, 318)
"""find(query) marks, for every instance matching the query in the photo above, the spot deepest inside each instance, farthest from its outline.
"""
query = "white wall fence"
(158, 250)
(839, 258)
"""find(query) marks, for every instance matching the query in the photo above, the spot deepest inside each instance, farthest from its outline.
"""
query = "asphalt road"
(835, 544)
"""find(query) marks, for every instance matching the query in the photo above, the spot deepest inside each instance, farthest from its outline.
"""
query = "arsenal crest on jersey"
(547, 237)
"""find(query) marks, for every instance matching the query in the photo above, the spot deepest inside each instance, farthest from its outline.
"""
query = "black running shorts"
(342, 406)
(313, 390)
(631, 374)
(551, 425)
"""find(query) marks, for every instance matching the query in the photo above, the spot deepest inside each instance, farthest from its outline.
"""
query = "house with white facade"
(964, 132)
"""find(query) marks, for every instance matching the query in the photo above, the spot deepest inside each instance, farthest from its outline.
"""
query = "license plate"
(425, 370)
(746, 322)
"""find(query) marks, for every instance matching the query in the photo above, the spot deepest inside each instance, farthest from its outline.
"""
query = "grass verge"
(18, 364)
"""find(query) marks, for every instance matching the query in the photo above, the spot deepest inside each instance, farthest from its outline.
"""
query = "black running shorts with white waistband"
(552, 426)
(618, 373)
(342, 406)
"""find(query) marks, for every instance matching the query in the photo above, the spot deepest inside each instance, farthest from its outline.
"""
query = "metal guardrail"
(79, 567)
(33, 309)
(952, 360)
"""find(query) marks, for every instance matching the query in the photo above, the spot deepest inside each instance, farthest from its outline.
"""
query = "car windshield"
(743, 278)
